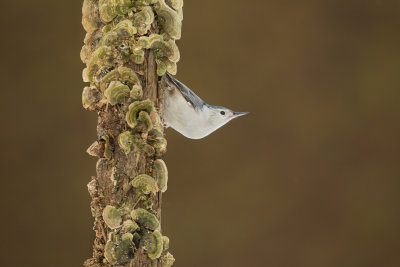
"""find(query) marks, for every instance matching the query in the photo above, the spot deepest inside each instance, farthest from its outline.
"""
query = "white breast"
(182, 117)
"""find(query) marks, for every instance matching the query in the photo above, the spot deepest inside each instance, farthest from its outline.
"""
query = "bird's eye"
(222, 112)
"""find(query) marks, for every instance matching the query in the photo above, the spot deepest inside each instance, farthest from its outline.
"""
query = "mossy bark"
(129, 141)
(103, 190)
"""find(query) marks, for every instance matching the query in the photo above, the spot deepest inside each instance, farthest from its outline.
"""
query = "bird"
(189, 115)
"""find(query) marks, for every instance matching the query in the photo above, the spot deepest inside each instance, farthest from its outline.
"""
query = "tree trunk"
(128, 48)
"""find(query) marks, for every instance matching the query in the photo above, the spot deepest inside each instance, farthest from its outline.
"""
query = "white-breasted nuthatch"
(186, 113)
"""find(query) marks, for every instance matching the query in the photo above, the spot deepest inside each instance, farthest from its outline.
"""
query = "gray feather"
(188, 94)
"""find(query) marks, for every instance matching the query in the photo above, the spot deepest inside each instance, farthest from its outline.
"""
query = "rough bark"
(131, 175)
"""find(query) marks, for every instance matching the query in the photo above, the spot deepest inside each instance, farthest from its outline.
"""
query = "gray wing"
(188, 94)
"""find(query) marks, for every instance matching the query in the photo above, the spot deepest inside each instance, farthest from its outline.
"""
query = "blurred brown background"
(310, 178)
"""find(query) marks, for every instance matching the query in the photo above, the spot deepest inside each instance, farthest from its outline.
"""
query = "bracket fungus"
(144, 122)
(148, 203)
(134, 110)
(148, 149)
(109, 39)
(168, 19)
(172, 67)
(90, 97)
(167, 260)
(161, 174)
(123, 6)
(130, 226)
(115, 36)
(125, 29)
(90, 15)
(157, 123)
(128, 76)
(112, 217)
(107, 10)
(161, 67)
(147, 41)
(145, 218)
(145, 184)
(166, 49)
(153, 244)
(175, 4)
(123, 37)
(165, 241)
(136, 92)
(108, 78)
(158, 142)
(137, 54)
(125, 141)
(116, 93)
(143, 3)
(101, 59)
(143, 20)
(119, 249)
(166, 53)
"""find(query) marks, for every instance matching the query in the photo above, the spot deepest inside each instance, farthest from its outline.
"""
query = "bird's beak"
(239, 114)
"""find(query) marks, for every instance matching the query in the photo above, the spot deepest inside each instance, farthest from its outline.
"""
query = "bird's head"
(219, 116)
